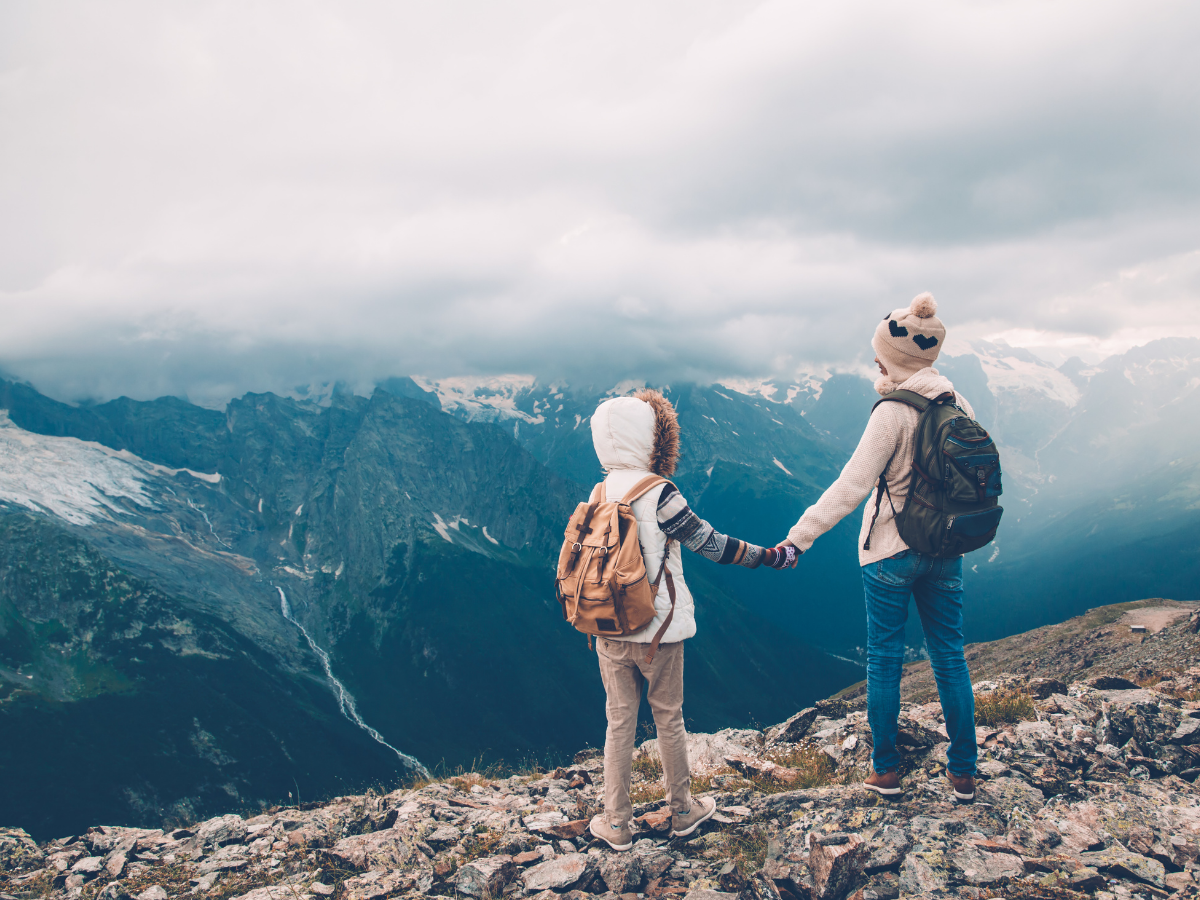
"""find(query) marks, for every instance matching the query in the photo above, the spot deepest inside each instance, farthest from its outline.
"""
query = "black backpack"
(951, 508)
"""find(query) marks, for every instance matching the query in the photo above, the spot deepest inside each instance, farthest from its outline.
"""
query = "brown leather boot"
(964, 787)
(885, 783)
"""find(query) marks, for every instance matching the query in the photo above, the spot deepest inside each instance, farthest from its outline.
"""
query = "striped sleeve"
(677, 521)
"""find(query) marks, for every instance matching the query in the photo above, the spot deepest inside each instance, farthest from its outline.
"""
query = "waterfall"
(344, 697)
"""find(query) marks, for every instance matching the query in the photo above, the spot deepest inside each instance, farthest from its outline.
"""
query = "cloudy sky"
(207, 198)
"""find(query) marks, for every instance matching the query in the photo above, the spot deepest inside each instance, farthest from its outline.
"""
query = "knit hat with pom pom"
(908, 340)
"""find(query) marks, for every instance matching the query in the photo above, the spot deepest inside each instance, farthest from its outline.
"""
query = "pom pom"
(923, 306)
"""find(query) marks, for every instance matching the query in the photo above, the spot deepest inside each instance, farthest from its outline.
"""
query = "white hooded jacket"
(624, 434)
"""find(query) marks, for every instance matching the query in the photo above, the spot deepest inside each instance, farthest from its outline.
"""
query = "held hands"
(787, 555)
(782, 557)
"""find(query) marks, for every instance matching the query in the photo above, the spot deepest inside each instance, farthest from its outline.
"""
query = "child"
(635, 437)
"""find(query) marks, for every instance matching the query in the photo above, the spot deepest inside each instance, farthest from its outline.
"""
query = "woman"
(907, 343)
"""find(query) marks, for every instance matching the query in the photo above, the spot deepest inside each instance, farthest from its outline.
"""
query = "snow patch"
(1013, 369)
(489, 537)
(625, 387)
(483, 399)
(781, 465)
(441, 528)
(751, 387)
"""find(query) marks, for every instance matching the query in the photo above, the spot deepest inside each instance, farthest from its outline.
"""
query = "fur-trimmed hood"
(639, 432)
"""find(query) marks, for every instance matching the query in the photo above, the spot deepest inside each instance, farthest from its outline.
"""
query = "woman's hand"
(793, 557)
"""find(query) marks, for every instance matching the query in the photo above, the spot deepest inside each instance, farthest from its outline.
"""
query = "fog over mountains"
(149, 551)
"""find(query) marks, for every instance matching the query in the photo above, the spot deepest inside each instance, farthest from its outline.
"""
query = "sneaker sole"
(628, 846)
(964, 798)
(712, 812)
(886, 792)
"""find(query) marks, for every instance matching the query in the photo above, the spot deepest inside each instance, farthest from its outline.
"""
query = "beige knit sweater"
(887, 442)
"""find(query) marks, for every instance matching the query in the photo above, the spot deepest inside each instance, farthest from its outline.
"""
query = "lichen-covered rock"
(836, 862)
(485, 877)
(18, 851)
(386, 849)
(560, 873)
(622, 873)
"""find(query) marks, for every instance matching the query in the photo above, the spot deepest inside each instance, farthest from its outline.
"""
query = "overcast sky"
(207, 198)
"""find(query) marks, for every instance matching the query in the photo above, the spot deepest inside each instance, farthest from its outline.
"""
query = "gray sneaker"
(702, 810)
(617, 837)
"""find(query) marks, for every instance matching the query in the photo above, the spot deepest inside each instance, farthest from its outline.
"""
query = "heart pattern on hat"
(898, 330)
(923, 342)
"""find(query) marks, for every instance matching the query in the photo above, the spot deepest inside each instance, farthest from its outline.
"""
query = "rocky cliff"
(1086, 789)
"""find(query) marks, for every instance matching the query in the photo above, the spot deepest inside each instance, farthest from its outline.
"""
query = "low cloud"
(207, 200)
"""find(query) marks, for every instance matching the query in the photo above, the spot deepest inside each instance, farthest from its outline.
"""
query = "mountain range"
(203, 610)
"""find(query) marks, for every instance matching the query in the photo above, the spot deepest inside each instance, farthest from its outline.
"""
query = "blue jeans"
(938, 588)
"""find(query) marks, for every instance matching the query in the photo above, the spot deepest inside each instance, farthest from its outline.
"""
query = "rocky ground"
(1087, 789)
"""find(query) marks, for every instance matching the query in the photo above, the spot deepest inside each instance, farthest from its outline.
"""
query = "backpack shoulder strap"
(908, 398)
(643, 487)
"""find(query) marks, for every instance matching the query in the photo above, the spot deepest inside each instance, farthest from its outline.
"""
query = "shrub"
(1004, 706)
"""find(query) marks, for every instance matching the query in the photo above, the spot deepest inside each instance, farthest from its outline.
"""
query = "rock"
(115, 863)
(753, 767)
(559, 873)
(888, 847)
(89, 866)
(18, 851)
(1085, 878)
(1112, 683)
(731, 879)
(114, 890)
(220, 830)
(882, 886)
(794, 729)
(658, 821)
(1010, 793)
(1187, 733)
(283, 892)
(388, 849)
(154, 892)
(1177, 881)
(1181, 851)
(759, 887)
(1122, 863)
(1032, 837)
(204, 883)
(443, 835)
(485, 877)
(1078, 837)
(556, 825)
(708, 894)
(976, 866)
(918, 878)
(322, 890)
(622, 872)
(1044, 688)
(836, 861)
(707, 752)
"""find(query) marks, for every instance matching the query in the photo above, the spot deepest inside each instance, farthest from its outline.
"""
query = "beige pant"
(625, 672)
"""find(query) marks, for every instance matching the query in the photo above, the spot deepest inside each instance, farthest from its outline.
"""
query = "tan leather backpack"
(602, 582)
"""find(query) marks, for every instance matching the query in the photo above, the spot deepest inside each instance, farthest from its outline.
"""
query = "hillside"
(379, 560)
(1099, 643)
(1086, 790)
